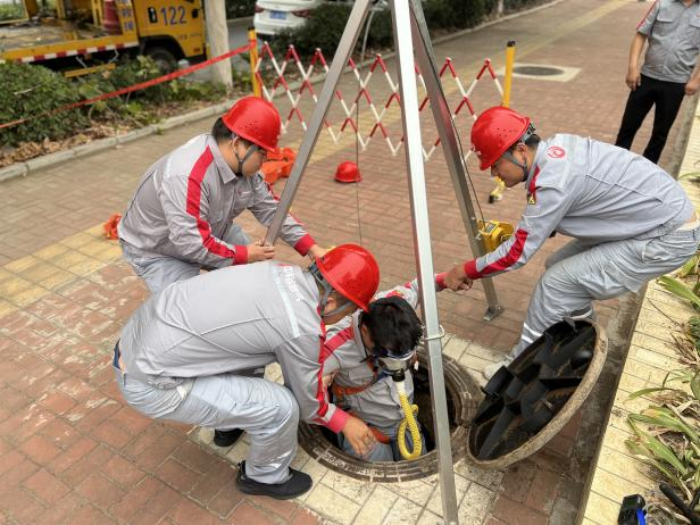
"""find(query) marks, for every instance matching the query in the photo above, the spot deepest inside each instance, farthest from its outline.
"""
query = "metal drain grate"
(538, 71)
(547, 72)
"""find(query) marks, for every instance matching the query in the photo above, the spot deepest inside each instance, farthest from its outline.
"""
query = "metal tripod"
(409, 29)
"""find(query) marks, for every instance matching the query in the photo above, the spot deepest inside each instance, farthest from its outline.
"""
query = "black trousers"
(667, 98)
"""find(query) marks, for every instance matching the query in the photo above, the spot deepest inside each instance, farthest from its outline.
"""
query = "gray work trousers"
(578, 274)
(160, 271)
(267, 411)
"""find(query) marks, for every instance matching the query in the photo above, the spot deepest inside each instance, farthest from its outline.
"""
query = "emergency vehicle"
(64, 34)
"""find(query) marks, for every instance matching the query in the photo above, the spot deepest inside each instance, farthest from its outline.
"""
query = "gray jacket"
(234, 319)
(592, 191)
(185, 202)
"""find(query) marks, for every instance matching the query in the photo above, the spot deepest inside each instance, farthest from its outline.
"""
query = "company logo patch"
(555, 152)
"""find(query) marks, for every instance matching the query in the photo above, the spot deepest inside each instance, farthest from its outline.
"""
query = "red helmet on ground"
(496, 130)
(347, 172)
(255, 120)
(352, 271)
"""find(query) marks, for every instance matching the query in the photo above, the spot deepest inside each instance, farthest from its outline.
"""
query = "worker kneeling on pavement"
(185, 354)
(363, 382)
(180, 218)
(630, 220)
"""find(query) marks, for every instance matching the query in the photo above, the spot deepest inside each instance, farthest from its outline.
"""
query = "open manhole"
(463, 397)
(538, 71)
(530, 401)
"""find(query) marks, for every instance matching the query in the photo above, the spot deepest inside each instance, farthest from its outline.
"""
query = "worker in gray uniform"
(360, 384)
(672, 30)
(180, 219)
(180, 355)
(630, 220)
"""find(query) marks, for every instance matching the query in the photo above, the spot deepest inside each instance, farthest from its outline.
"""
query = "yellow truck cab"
(64, 33)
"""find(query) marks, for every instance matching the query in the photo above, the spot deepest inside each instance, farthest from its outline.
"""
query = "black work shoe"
(297, 485)
(226, 438)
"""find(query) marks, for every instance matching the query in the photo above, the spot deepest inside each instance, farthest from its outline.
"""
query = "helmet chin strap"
(522, 165)
(327, 290)
(510, 157)
(252, 149)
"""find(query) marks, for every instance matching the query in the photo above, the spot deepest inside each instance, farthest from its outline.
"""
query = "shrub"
(12, 12)
(326, 24)
(29, 90)
(511, 5)
(323, 29)
(139, 70)
(454, 14)
(239, 8)
(33, 90)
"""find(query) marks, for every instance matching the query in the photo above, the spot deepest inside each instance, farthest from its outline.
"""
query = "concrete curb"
(22, 169)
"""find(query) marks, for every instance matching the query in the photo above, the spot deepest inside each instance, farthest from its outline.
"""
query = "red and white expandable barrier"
(318, 65)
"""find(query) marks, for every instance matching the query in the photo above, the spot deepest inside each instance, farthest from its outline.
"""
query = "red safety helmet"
(352, 271)
(347, 172)
(255, 120)
(496, 130)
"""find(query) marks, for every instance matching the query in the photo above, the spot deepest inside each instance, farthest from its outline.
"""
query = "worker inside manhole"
(374, 360)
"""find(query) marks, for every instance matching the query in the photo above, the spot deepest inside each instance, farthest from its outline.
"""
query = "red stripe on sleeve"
(193, 206)
(440, 281)
(505, 262)
(304, 244)
(645, 16)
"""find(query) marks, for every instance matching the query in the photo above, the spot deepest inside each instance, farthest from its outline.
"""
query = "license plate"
(278, 15)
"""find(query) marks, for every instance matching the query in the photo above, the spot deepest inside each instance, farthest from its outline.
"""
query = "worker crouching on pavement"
(361, 384)
(180, 218)
(630, 220)
(185, 354)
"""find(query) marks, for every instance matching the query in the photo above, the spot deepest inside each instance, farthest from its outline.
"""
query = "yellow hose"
(410, 412)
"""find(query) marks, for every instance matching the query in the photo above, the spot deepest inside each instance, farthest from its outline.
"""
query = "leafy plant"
(239, 8)
(35, 90)
(678, 288)
(671, 446)
(670, 441)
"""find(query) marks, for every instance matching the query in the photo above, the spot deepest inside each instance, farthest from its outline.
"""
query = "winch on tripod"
(494, 233)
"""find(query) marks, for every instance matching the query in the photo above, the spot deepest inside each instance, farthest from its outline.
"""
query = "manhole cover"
(529, 402)
(463, 397)
(538, 71)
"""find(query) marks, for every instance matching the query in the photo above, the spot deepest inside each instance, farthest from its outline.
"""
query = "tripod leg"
(448, 138)
(340, 60)
(401, 18)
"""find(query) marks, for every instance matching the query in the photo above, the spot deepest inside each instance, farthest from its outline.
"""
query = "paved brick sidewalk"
(71, 452)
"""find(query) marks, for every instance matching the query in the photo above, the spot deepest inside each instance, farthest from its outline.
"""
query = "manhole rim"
(545, 70)
(543, 437)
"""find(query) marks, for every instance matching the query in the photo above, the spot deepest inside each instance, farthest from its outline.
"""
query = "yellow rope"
(408, 423)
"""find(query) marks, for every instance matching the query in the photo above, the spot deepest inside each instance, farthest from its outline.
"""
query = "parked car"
(272, 16)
